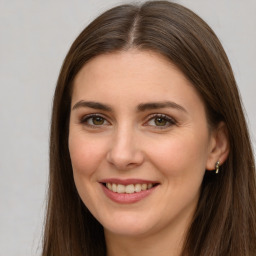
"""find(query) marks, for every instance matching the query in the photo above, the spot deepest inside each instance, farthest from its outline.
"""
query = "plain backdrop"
(34, 38)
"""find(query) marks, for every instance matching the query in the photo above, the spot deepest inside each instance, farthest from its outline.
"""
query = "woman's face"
(139, 143)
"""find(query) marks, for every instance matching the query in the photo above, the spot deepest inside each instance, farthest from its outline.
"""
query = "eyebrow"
(91, 104)
(140, 108)
(158, 105)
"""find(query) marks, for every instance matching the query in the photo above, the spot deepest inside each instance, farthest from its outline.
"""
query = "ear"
(219, 146)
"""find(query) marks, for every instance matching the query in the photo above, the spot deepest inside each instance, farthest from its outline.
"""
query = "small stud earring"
(217, 167)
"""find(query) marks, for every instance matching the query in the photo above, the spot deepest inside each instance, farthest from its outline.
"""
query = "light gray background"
(34, 38)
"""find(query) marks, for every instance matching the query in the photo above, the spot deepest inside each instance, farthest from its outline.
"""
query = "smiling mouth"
(130, 188)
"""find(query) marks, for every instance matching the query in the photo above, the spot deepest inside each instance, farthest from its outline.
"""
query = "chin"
(128, 225)
(127, 230)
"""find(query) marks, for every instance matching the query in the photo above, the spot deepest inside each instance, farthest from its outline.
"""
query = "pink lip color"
(127, 181)
(124, 198)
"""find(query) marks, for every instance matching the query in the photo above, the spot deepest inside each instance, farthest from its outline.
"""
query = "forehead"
(133, 74)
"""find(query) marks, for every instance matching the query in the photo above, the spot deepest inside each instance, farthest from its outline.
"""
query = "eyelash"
(153, 117)
(164, 117)
(85, 120)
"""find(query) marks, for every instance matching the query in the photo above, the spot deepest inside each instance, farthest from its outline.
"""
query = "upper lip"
(127, 181)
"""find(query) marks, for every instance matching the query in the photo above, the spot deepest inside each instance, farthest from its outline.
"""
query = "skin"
(129, 143)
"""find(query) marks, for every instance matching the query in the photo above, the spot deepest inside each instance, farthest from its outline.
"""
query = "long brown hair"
(225, 219)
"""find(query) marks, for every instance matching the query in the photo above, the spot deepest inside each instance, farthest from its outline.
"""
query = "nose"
(125, 151)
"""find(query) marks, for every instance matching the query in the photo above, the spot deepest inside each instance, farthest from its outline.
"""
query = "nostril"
(125, 155)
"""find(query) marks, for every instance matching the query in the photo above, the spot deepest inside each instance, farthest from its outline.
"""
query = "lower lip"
(125, 198)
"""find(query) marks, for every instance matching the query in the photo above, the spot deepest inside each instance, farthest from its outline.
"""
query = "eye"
(160, 121)
(94, 120)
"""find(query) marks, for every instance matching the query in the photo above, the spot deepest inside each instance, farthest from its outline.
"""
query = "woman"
(150, 152)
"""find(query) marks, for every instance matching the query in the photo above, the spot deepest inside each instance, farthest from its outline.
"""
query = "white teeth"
(128, 189)
(150, 185)
(137, 187)
(120, 188)
(114, 187)
(144, 187)
(109, 186)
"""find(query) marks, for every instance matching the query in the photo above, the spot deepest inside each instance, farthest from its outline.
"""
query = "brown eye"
(98, 120)
(159, 121)
(94, 121)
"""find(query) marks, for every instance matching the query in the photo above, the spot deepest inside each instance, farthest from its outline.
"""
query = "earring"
(217, 167)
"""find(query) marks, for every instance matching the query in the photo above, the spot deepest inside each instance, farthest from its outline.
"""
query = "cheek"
(85, 154)
(180, 155)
